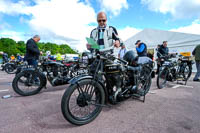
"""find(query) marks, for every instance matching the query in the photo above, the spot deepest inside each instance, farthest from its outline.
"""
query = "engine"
(57, 73)
(113, 72)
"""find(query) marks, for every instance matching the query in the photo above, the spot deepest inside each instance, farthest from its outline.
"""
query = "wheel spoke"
(83, 101)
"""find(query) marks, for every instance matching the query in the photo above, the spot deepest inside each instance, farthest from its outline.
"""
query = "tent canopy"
(153, 37)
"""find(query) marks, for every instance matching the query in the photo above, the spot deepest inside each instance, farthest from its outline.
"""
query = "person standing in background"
(58, 57)
(196, 53)
(116, 49)
(19, 58)
(141, 49)
(32, 51)
(122, 51)
(4, 57)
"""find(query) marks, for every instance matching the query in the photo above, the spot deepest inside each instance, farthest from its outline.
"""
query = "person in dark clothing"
(32, 51)
(19, 58)
(5, 57)
(162, 51)
(104, 35)
(196, 53)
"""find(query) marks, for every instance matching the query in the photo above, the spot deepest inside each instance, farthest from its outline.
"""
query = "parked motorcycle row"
(98, 79)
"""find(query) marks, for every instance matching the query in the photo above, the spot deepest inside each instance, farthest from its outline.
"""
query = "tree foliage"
(11, 47)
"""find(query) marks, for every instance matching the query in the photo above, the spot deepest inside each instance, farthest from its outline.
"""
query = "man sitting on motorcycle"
(162, 51)
(104, 35)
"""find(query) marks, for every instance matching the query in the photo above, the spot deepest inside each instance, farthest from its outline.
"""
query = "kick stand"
(138, 97)
(181, 80)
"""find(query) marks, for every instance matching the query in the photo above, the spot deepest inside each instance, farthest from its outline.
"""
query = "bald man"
(104, 35)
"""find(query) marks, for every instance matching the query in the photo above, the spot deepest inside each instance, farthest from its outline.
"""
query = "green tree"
(65, 49)
(21, 47)
(12, 48)
(9, 46)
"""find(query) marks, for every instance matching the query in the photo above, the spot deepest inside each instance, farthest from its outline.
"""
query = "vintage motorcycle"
(29, 80)
(174, 70)
(109, 80)
(11, 66)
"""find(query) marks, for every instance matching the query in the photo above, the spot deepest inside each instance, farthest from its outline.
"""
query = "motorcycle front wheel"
(162, 78)
(82, 102)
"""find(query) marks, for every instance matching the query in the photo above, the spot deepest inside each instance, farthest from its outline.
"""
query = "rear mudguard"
(10, 63)
(77, 79)
(21, 69)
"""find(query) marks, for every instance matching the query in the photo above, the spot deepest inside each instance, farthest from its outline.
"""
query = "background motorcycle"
(11, 66)
(174, 70)
(29, 80)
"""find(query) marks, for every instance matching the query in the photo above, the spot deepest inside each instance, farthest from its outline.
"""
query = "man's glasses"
(101, 20)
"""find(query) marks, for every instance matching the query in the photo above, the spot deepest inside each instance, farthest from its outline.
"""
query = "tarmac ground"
(173, 109)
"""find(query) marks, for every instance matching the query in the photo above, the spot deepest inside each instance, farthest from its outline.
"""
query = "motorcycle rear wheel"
(27, 83)
(88, 96)
(10, 68)
(187, 71)
(144, 81)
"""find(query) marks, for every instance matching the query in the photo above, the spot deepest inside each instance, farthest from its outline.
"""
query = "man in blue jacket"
(141, 49)
(32, 51)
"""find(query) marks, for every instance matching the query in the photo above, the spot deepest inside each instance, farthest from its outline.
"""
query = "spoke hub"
(82, 99)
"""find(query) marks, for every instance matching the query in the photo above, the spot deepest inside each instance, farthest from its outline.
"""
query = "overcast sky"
(71, 21)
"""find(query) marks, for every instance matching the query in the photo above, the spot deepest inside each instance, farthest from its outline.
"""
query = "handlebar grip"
(123, 61)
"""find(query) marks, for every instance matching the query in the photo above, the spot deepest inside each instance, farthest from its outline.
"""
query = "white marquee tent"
(177, 42)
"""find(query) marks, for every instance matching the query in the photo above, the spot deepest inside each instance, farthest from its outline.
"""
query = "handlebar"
(166, 57)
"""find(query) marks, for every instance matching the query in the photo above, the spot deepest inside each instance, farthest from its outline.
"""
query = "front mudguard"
(76, 80)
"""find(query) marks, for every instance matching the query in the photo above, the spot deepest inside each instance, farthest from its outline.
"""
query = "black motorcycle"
(11, 66)
(109, 80)
(174, 70)
(29, 80)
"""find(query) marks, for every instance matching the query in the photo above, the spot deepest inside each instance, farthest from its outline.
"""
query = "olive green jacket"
(196, 53)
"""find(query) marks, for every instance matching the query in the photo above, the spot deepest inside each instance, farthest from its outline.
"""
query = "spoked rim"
(84, 101)
(162, 79)
(145, 83)
(28, 83)
(186, 72)
(10, 69)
